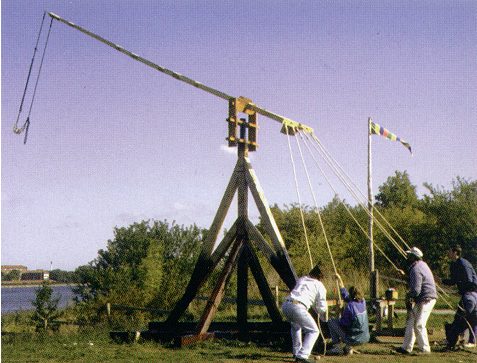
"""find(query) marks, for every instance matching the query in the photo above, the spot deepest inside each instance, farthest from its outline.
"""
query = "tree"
(397, 191)
(46, 307)
(13, 275)
(146, 264)
(451, 218)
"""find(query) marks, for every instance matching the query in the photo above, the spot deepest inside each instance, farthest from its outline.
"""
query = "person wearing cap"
(309, 292)
(463, 275)
(420, 300)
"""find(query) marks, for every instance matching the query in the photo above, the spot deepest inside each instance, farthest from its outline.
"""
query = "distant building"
(35, 275)
(8, 268)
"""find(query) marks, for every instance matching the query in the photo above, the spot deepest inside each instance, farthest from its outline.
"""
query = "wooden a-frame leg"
(203, 268)
(219, 290)
(263, 286)
(279, 263)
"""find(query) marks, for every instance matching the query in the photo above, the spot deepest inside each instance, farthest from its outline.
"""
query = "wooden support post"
(391, 304)
(202, 270)
(263, 287)
(252, 132)
(219, 218)
(280, 262)
(242, 290)
(218, 293)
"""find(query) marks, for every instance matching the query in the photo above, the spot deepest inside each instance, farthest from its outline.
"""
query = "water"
(20, 298)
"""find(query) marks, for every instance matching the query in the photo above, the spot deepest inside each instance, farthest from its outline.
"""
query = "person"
(353, 326)
(308, 292)
(463, 275)
(420, 300)
(466, 317)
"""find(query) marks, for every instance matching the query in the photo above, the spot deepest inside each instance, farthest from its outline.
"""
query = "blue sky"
(113, 142)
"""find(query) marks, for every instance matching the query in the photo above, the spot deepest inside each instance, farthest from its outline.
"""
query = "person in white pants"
(308, 292)
(420, 301)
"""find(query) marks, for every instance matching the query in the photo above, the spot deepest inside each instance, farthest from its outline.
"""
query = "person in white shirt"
(309, 292)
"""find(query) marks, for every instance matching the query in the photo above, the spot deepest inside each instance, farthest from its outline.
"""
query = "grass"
(94, 345)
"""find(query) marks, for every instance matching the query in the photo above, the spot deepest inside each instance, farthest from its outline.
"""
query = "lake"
(20, 297)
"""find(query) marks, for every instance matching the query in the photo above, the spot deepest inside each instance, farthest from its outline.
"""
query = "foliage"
(63, 276)
(146, 265)
(46, 308)
(452, 218)
(13, 275)
(397, 191)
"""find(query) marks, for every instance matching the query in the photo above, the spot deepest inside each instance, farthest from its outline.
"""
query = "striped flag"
(379, 130)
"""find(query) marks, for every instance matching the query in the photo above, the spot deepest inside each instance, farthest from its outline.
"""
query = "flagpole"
(372, 272)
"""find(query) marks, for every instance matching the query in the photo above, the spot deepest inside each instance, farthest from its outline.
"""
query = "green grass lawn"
(94, 345)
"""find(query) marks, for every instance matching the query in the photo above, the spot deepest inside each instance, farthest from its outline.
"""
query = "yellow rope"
(299, 199)
(316, 205)
(332, 164)
(342, 172)
(347, 209)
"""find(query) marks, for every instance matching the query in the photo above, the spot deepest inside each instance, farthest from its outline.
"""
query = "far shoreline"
(36, 284)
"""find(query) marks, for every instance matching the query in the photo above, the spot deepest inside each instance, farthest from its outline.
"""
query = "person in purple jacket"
(353, 326)
(420, 300)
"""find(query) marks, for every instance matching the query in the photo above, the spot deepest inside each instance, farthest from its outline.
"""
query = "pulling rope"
(350, 182)
(340, 302)
(332, 164)
(299, 198)
(346, 207)
(26, 125)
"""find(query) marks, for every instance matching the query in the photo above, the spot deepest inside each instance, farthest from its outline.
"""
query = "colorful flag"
(379, 130)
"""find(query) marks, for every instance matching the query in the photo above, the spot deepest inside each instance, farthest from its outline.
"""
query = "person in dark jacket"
(353, 326)
(463, 275)
(465, 318)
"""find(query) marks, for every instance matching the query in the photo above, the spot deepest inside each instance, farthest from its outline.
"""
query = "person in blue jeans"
(463, 275)
(309, 292)
(465, 318)
(353, 326)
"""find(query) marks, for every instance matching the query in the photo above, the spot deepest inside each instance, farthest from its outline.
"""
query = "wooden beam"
(263, 286)
(224, 245)
(219, 290)
(184, 340)
(260, 241)
(218, 221)
(263, 208)
(203, 268)
(242, 289)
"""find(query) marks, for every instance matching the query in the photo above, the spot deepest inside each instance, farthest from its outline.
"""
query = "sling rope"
(26, 125)
(16, 129)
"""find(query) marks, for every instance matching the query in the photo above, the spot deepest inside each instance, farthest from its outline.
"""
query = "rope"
(316, 205)
(338, 166)
(299, 198)
(26, 125)
(348, 210)
(17, 130)
(332, 164)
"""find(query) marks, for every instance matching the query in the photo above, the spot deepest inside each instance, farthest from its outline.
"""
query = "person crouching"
(353, 326)
(309, 292)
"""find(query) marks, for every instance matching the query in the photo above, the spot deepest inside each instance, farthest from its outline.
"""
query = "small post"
(108, 309)
(276, 296)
